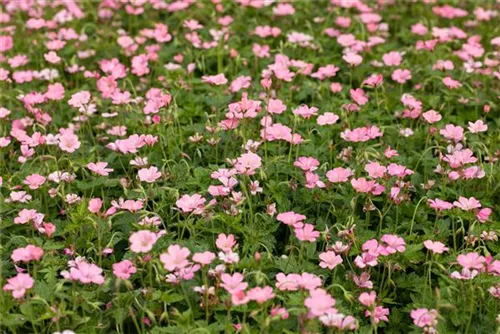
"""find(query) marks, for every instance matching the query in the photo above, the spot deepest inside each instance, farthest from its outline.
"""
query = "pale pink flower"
(27, 254)
(19, 284)
(329, 260)
(471, 261)
(69, 142)
(95, 205)
(483, 214)
(247, 163)
(352, 59)
(327, 118)
(175, 258)
(79, 99)
(319, 302)
(287, 282)
(359, 96)
(225, 242)
(34, 181)
(393, 243)
(261, 295)
(276, 106)
(439, 205)
(306, 233)
(477, 126)
(452, 132)
(124, 269)
(149, 175)
(423, 317)
(204, 258)
(307, 164)
(217, 80)
(305, 111)
(467, 204)
(451, 83)
(375, 170)
(99, 168)
(368, 299)
(142, 241)
(401, 75)
(392, 58)
(232, 283)
(435, 246)
(192, 203)
(339, 174)
(85, 273)
(431, 116)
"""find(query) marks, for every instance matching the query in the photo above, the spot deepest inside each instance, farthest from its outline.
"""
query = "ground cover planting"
(249, 166)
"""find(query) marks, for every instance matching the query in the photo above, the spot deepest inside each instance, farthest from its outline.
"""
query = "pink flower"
(306, 233)
(225, 242)
(327, 118)
(329, 260)
(361, 134)
(392, 58)
(363, 281)
(239, 297)
(27, 254)
(149, 175)
(394, 244)
(175, 258)
(477, 126)
(339, 174)
(467, 204)
(359, 96)
(291, 218)
(217, 80)
(435, 246)
(361, 185)
(352, 59)
(423, 317)
(28, 215)
(450, 83)
(233, 283)
(279, 312)
(95, 205)
(84, 272)
(307, 164)
(19, 284)
(287, 282)
(401, 76)
(124, 269)
(204, 258)
(99, 168)
(261, 295)
(69, 142)
(375, 170)
(192, 203)
(431, 116)
(378, 314)
(142, 241)
(439, 205)
(319, 302)
(465, 274)
(483, 215)
(452, 132)
(276, 106)
(368, 299)
(79, 99)
(471, 261)
(305, 111)
(247, 163)
(34, 181)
